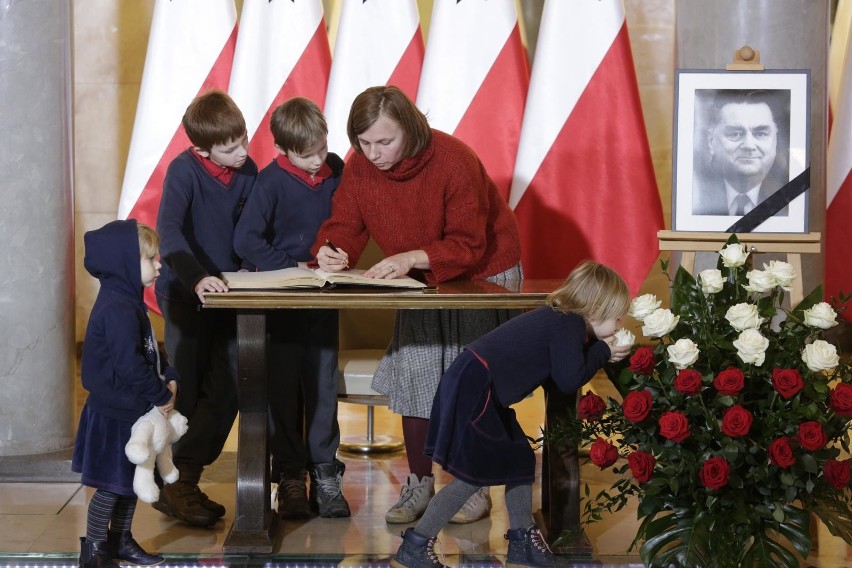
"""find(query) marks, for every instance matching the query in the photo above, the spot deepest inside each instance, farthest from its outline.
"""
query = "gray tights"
(453, 496)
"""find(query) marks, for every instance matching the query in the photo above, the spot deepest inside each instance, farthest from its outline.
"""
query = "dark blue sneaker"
(527, 548)
(416, 551)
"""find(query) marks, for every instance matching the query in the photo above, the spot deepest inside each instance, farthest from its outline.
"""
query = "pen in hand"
(334, 248)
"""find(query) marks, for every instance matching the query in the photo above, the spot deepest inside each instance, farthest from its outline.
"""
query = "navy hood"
(113, 257)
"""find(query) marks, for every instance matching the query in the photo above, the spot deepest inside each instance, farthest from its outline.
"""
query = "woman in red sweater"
(427, 201)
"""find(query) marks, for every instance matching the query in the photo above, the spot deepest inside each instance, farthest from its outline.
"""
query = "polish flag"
(190, 51)
(378, 43)
(838, 232)
(584, 183)
(837, 51)
(282, 52)
(475, 78)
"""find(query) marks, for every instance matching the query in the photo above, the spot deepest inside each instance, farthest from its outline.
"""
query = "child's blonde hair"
(298, 125)
(149, 241)
(593, 291)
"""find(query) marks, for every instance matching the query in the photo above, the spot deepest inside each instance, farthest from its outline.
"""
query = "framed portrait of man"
(741, 147)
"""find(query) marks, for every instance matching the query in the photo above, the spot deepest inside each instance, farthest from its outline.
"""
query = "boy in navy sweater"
(125, 375)
(290, 200)
(204, 191)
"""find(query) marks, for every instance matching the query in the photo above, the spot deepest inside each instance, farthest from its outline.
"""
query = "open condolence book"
(297, 277)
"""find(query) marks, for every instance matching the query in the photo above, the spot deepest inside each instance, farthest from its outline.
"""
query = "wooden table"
(254, 520)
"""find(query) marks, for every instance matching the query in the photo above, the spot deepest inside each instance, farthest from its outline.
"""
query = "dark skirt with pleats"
(471, 435)
(99, 453)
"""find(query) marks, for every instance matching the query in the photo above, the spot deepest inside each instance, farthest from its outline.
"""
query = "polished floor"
(40, 523)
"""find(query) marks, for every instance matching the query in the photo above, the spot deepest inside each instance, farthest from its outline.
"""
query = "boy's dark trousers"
(201, 346)
(303, 346)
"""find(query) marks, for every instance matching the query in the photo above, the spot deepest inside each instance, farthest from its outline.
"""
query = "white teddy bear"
(151, 439)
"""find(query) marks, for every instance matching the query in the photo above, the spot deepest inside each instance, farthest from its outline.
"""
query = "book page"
(294, 277)
(356, 276)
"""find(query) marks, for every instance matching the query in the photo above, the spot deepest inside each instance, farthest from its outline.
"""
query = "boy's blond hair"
(213, 118)
(593, 291)
(149, 241)
(298, 125)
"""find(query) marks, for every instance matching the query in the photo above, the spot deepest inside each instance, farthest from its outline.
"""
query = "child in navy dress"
(125, 375)
(473, 432)
(290, 200)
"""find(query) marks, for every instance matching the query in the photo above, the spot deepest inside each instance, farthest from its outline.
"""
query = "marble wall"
(110, 41)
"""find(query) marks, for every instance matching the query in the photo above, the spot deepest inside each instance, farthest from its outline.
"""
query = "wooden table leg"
(560, 481)
(254, 522)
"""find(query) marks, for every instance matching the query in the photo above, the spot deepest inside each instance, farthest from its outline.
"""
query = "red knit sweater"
(440, 200)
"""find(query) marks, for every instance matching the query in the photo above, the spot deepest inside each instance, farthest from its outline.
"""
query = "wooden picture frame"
(739, 134)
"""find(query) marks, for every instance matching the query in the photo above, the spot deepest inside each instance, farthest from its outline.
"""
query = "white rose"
(782, 272)
(711, 280)
(733, 255)
(751, 347)
(659, 322)
(743, 316)
(821, 315)
(683, 353)
(820, 356)
(642, 306)
(624, 338)
(760, 281)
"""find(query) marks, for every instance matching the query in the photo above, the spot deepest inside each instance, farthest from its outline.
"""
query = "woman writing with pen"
(426, 200)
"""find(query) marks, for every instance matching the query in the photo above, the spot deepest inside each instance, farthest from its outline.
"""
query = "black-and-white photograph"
(739, 139)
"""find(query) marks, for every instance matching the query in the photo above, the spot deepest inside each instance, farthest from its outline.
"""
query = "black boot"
(95, 554)
(191, 474)
(527, 548)
(416, 551)
(292, 495)
(185, 501)
(327, 490)
(122, 546)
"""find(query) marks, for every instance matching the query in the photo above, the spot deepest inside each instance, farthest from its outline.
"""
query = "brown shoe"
(185, 501)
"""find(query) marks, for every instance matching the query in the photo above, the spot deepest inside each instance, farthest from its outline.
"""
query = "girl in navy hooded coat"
(125, 375)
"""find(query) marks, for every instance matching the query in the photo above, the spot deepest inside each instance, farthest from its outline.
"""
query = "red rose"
(688, 382)
(781, 452)
(841, 399)
(674, 426)
(642, 465)
(811, 437)
(736, 421)
(637, 405)
(591, 406)
(837, 473)
(788, 382)
(642, 361)
(602, 453)
(730, 381)
(714, 473)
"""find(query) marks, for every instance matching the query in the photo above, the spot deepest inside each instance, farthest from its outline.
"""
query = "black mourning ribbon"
(773, 204)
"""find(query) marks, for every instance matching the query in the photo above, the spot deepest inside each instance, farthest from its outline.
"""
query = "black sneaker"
(416, 551)
(527, 548)
(293, 499)
(327, 490)
(185, 501)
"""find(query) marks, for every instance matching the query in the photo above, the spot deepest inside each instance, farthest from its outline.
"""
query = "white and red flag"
(378, 43)
(838, 231)
(282, 52)
(584, 183)
(475, 79)
(190, 50)
(837, 51)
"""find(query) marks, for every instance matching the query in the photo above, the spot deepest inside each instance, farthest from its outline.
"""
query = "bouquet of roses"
(733, 424)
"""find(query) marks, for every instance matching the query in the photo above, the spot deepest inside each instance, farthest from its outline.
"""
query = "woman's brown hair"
(391, 102)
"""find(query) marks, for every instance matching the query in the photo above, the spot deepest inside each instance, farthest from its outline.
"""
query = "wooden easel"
(794, 244)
